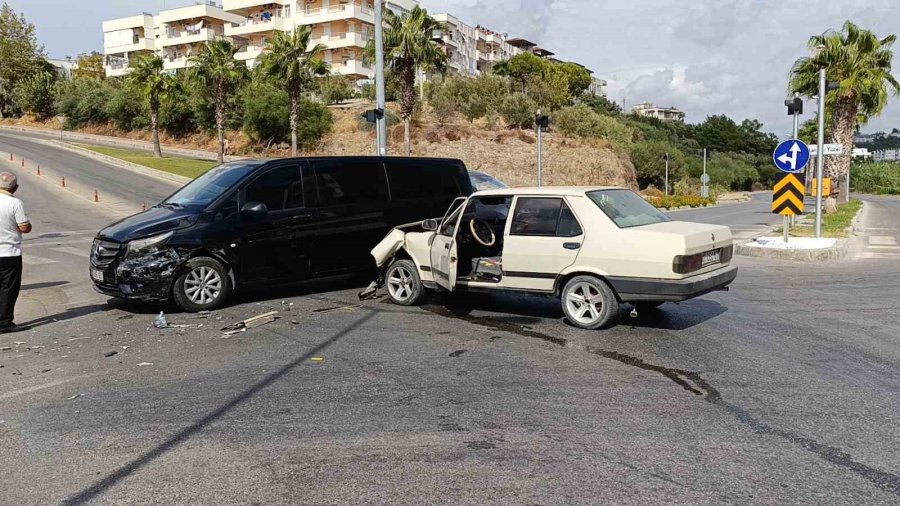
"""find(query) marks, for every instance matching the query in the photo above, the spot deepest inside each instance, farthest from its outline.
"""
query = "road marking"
(73, 251)
(884, 256)
(883, 247)
(33, 260)
(882, 240)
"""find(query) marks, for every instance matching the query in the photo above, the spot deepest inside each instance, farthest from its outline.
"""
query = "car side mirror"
(254, 210)
(430, 224)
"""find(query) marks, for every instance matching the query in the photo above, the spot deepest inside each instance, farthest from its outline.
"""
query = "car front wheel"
(203, 285)
(589, 303)
(403, 283)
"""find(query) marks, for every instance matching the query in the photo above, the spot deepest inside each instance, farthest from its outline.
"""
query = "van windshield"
(211, 185)
(626, 208)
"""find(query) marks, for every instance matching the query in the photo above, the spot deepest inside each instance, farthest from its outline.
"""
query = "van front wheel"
(202, 286)
(589, 303)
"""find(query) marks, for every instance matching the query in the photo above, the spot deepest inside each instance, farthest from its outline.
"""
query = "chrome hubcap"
(400, 283)
(584, 303)
(203, 285)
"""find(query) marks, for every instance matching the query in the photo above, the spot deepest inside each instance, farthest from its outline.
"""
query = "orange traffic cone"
(63, 182)
(96, 196)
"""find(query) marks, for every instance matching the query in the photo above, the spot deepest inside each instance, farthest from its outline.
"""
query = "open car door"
(443, 248)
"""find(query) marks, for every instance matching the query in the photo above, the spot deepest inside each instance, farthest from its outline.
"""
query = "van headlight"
(143, 247)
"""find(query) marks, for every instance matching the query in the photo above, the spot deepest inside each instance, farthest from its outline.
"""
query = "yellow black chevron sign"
(787, 199)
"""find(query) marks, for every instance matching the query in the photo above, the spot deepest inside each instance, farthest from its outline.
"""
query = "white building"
(662, 113)
(886, 155)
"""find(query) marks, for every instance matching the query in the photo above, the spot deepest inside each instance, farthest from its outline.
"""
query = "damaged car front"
(142, 268)
(411, 241)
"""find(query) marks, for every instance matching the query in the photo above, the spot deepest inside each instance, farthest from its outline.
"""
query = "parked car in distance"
(593, 247)
(268, 222)
(484, 181)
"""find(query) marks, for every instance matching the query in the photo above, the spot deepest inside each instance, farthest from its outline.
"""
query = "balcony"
(116, 69)
(316, 14)
(351, 68)
(138, 44)
(175, 63)
(233, 5)
(348, 39)
(249, 52)
(275, 23)
(173, 37)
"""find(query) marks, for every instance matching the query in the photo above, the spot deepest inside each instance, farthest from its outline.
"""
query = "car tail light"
(684, 264)
(727, 253)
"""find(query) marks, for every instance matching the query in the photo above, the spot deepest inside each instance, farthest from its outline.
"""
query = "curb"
(106, 140)
(146, 171)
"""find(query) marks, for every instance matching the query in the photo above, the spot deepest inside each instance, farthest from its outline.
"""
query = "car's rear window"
(626, 208)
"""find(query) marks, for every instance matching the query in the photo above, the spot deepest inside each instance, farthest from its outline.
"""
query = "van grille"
(104, 253)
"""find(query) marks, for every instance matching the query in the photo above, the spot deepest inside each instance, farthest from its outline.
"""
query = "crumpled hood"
(156, 220)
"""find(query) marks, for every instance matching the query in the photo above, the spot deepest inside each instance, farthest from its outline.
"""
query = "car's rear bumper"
(646, 289)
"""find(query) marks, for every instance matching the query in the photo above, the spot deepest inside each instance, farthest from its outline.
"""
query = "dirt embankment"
(509, 155)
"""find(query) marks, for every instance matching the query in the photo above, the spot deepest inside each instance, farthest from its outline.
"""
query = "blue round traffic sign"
(791, 156)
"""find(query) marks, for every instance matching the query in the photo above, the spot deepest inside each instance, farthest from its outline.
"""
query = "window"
(278, 189)
(449, 224)
(352, 182)
(542, 216)
(626, 208)
(212, 184)
(422, 179)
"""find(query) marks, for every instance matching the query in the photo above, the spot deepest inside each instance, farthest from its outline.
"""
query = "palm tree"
(148, 75)
(216, 70)
(289, 59)
(860, 63)
(409, 45)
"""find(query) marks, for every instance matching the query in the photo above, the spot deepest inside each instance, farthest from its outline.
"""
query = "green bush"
(581, 121)
(35, 95)
(518, 111)
(649, 162)
(126, 108)
(84, 101)
(676, 201)
(334, 89)
(443, 104)
(267, 117)
(176, 115)
(877, 178)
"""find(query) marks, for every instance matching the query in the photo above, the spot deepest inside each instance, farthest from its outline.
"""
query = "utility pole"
(381, 123)
(820, 153)
(796, 108)
(667, 174)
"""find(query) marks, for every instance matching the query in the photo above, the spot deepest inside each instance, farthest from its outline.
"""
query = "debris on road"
(337, 308)
(145, 363)
(250, 323)
(160, 321)
(46, 370)
(317, 359)
(18, 343)
(125, 317)
(6, 348)
(233, 332)
(110, 354)
(74, 397)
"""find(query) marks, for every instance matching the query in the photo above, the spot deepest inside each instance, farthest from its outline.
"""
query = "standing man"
(13, 223)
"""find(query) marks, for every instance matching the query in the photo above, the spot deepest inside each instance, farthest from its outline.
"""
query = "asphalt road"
(785, 389)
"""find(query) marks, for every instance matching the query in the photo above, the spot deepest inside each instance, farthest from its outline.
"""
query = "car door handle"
(571, 245)
(447, 245)
(452, 260)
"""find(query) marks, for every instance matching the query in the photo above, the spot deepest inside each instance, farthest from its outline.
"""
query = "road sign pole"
(540, 149)
(796, 135)
(667, 174)
(381, 123)
(704, 190)
(820, 154)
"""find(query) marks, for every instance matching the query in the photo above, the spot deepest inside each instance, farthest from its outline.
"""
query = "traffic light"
(794, 105)
(373, 115)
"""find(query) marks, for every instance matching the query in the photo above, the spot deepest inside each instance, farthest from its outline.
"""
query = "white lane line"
(883, 247)
(33, 260)
(882, 240)
(73, 251)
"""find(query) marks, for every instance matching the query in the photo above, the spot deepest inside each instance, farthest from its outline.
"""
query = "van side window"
(342, 183)
(543, 216)
(417, 179)
(278, 189)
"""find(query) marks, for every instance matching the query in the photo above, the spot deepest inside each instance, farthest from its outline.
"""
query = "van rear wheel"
(589, 303)
(202, 286)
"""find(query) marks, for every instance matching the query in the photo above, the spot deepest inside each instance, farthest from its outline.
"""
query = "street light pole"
(380, 123)
(820, 154)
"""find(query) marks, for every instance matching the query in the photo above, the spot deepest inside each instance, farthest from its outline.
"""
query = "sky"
(702, 56)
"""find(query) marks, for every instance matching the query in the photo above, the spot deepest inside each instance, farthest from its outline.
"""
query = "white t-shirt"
(12, 214)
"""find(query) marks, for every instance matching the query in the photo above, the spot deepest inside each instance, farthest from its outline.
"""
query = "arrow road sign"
(791, 156)
(787, 199)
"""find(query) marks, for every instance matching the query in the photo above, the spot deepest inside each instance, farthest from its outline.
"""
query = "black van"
(269, 222)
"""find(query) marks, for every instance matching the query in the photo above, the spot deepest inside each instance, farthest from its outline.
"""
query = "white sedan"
(594, 247)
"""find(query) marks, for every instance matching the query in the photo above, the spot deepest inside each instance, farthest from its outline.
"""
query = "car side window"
(345, 183)
(279, 189)
(449, 224)
(568, 224)
(544, 216)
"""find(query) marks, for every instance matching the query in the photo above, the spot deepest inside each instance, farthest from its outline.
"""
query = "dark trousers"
(10, 284)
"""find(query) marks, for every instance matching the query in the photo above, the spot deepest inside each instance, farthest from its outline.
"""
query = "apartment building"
(472, 50)
(662, 113)
(125, 39)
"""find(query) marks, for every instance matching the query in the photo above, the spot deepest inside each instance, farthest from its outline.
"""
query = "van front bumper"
(669, 290)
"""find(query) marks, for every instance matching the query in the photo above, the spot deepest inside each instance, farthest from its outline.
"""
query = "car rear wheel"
(403, 283)
(589, 303)
(203, 285)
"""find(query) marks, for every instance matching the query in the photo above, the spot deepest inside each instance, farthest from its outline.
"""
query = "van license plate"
(712, 257)
(97, 275)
